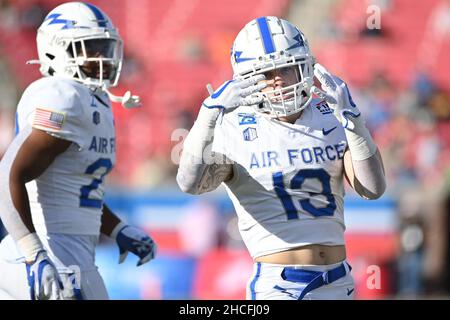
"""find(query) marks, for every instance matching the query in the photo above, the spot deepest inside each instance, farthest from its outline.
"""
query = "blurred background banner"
(392, 53)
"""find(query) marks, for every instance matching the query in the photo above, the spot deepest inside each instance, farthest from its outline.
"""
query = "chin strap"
(33, 62)
(127, 100)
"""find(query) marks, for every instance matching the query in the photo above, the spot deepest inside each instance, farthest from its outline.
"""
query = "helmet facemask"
(270, 46)
(96, 61)
(78, 41)
(292, 97)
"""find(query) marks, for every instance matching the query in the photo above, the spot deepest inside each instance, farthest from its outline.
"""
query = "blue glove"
(43, 279)
(130, 239)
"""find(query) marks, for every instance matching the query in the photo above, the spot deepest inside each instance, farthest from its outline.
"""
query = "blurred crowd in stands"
(410, 120)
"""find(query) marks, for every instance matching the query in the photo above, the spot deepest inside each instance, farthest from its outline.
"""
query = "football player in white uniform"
(51, 177)
(282, 146)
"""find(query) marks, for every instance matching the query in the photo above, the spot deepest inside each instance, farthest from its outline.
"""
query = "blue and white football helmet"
(75, 35)
(270, 43)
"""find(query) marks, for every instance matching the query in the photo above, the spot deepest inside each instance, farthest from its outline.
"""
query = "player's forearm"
(109, 221)
(200, 178)
(369, 174)
(16, 215)
(201, 134)
(198, 164)
(367, 165)
(19, 222)
(20, 201)
(14, 205)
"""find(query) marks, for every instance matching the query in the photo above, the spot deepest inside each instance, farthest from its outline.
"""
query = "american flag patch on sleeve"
(48, 119)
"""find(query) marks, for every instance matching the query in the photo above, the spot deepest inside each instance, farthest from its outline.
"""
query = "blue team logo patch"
(96, 117)
(250, 134)
(246, 118)
(324, 108)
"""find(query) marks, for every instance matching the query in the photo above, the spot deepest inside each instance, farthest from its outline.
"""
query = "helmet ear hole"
(50, 56)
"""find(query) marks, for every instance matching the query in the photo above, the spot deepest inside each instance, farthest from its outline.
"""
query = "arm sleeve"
(219, 143)
(366, 161)
(8, 213)
(198, 159)
(370, 173)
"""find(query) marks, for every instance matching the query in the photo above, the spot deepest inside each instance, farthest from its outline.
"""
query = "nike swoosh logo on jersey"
(327, 132)
(349, 292)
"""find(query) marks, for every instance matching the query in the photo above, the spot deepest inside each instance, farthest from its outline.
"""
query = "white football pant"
(301, 282)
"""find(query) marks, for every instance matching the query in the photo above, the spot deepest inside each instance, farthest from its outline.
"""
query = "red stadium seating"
(180, 46)
(399, 53)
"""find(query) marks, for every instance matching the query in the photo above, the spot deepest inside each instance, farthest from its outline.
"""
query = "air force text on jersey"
(103, 145)
(308, 155)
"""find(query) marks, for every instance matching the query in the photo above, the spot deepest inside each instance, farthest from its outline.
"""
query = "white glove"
(235, 93)
(43, 279)
(131, 239)
(337, 96)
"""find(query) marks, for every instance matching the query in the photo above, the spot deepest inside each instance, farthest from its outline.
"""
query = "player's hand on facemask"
(131, 239)
(337, 96)
(235, 93)
(43, 279)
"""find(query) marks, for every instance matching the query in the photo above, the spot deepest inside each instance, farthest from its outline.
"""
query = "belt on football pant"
(314, 279)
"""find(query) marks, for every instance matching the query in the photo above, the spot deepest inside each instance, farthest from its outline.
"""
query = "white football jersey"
(68, 197)
(287, 187)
